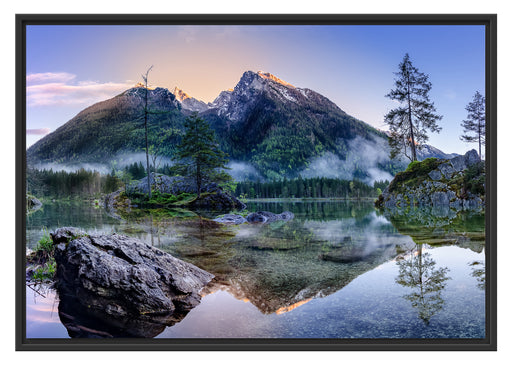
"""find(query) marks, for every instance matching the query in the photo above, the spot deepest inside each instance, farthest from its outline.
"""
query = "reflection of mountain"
(281, 265)
(441, 226)
(278, 280)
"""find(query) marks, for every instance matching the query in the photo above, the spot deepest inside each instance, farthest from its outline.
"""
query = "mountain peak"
(139, 85)
(262, 76)
(269, 76)
(180, 94)
(188, 102)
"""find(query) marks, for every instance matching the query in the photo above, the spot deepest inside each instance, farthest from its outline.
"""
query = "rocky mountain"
(280, 128)
(188, 102)
(264, 123)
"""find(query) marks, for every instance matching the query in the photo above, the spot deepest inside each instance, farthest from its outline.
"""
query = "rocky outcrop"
(133, 289)
(457, 183)
(161, 183)
(213, 197)
(257, 217)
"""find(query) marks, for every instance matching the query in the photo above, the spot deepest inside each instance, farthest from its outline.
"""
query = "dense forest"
(86, 184)
(319, 187)
(79, 184)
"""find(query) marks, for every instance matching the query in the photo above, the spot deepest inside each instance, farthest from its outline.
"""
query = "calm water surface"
(338, 270)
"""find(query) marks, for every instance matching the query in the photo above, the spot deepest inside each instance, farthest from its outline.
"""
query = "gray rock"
(216, 199)
(435, 175)
(287, 215)
(163, 184)
(471, 158)
(446, 169)
(119, 278)
(256, 218)
(230, 219)
(440, 198)
(268, 217)
(458, 163)
(33, 204)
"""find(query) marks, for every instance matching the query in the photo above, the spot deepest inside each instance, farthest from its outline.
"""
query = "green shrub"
(416, 172)
(45, 249)
(45, 272)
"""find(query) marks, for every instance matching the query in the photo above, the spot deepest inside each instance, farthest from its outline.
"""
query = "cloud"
(362, 154)
(38, 132)
(47, 89)
(49, 77)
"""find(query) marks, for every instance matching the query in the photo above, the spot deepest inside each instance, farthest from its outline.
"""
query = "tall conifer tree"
(199, 155)
(474, 125)
(410, 122)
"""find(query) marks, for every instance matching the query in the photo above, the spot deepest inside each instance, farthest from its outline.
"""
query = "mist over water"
(363, 154)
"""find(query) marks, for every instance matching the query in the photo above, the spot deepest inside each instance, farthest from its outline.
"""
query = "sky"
(71, 67)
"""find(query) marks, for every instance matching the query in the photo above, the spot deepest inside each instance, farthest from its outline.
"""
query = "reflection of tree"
(478, 272)
(427, 281)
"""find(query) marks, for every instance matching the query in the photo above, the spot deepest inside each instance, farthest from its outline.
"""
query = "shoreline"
(304, 200)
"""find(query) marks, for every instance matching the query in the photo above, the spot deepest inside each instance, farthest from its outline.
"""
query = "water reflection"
(283, 266)
(419, 272)
(478, 272)
(438, 226)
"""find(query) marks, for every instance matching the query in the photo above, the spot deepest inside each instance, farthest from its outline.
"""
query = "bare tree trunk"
(479, 140)
(145, 78)
(198, 180)
(413, 145)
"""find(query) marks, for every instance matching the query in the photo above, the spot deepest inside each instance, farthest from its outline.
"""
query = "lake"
(339, 269)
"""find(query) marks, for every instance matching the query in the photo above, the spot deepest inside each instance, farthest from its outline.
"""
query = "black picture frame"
(489, 343)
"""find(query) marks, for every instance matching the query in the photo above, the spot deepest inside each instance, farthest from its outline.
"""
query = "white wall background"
(7, 148)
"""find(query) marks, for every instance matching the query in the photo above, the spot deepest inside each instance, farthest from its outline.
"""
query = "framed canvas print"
(256, 182)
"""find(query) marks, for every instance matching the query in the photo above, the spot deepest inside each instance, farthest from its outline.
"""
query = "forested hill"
(106, 129)
(264, 122)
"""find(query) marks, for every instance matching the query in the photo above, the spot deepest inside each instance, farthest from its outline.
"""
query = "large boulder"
(215, 198)
(119, 280)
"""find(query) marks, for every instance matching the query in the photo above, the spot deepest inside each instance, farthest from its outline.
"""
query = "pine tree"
(475, 122)
(199, 155)
(410, 122)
